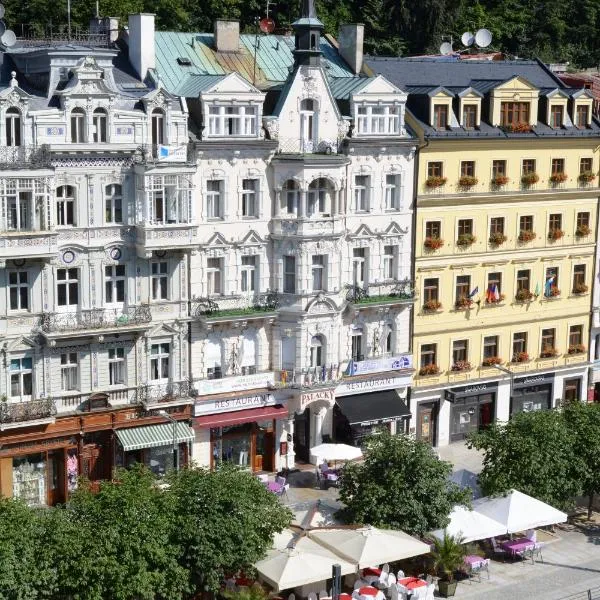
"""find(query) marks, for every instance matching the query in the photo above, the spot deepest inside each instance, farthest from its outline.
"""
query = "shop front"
(472, 408)
(244, 430)
(534, 392)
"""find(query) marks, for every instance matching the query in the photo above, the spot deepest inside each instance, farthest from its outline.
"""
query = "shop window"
(159, 361)
(579, 285)
(308, 124)
(469, 116)
(114, 284)
(317, 351)
(467, 168)
(117, 366)
(460, 351)
(213, 359)
(551, 288)
(250, 198)
(389, 261)
(249, 351)
(582, 116)
(440, 116)
(249, 274)
(359, 266)
(78, 126)
(514, 113)
(158, 127)
(21, 378)
(558, 166)
(18, 290)
(113, 203)
(289, 274)
(392, 192)
(13, 126)
(435, 169)
(160, 280)
(214, 202)
(519, 345)
(67, 287)
(576, 335)
(572, 391)
(556, 116)
(528, 166)
(291, 197)
(433, 229)
(357, 345)
(214, 276)
(69, 371)
(65, 205)
(428, 354)
(29, 474)
(318, 272)
(100, 119)
(498, 168)
(431, 289)
(361, 193)
(490, 346)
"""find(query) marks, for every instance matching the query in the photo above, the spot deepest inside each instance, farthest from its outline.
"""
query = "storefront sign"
(371, 385)
(310, 397)
(470, 390)
(37, 446)
(234, 384)
(530, 380)
(393, 363)
(230, 404)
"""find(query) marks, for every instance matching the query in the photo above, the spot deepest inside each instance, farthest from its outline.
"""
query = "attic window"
(556, 116)
(440, 116)
(582, 114)
(184, 61)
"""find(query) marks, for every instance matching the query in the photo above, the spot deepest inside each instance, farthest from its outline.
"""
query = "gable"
(252, 239)
(233, 83)
(22, 344)
(362, 231)
(163, 329)
(395, 229)
(217, 239)
(516, 83)
(379, 85)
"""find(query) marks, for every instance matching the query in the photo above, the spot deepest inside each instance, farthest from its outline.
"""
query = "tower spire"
(308, 9)
(308, 30)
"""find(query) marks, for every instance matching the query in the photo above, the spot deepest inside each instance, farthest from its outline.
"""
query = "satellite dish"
(446, 48)
(2, 11)
(267, 25)
(467, 38)
(8, 38)
(2, 28)
(483, 38)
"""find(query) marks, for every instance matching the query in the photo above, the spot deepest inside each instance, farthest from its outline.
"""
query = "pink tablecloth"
(274, 487)
(519, 545)
(475, 561)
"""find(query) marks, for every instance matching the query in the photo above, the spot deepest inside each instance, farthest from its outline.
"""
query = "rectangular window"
(357, 354)
(358, 266)
(519, 344)
(19, 208)
(498, 168)
(248, 282)
(514, 113)
(250, 198)
(579, 285)
(463, 287)
(556, 116)
(433, 229)
(160, 280)
(214, 189)
(69, 371)
(289, 274)
(113, 204)
(528, 166)
(583, 220)
(494, 288)
(523, 280)
(114, 283)
(428, 354)
(431, 289)
(389, 262)
(558, 166)
(548, 339)
(392, 192)
(554, 222)
(67, 287)
(232, 120)
(583, 114)
(159, 362)
(18, 290)
(117, 366)
(100, 125)
(460, 351)
(65, 205)
(526, 223)
(465, 227)
(575, 335)
(490, 346)
(497, 225)
(361, 193)
(435, 169)
(318, 272)
(586, 165)
(572, 390)
(469, 116)
(21, 377)
(551, 288)
(467, 168)
(378, 119)
(214, 276)
(440, 116)
(77, 126)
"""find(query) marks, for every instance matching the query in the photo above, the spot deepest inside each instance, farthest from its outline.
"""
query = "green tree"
(224, 521)
(533, 453)
(401, 484)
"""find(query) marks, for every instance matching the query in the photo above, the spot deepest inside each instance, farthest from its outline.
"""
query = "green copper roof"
(342, 88)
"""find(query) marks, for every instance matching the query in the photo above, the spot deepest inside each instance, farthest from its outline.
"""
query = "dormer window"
(469, 120)
(378, 120)
(13, 127)
(440, 116)
(514, 113)
(556, 116)
(231, 120)
(582, 114)
(158, 127)
(78, 126)
(100, 125)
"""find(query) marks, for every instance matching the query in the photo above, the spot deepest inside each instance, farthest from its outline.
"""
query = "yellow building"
(505, 235)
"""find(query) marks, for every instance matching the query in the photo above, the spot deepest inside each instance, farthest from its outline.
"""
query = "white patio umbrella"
(336, 452)
(368, 546)
(518, 511)
(295, 561)
(470, 526)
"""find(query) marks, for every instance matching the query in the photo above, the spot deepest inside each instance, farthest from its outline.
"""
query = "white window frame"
(19, 285)
(160, 362)
(390, 260)
(317, 351)
(159, 276)
(214, 199)
(232, 120)
(362, 184)
(359, 267)
(113, 203)
(157, 127)
(214, 276)
(69, 372)
(355, 335)
(289, 276)
(319, 273)
(100, 125)
(117, 366)
(292, 197)
(13, 130)
(65, 196)
(20, 373)
(318, 198)
(378, 119)
(250, 197)
(71, 278)
(115, 277)
(308, 125)
(249, 272)
(392, 191)
(78, 122)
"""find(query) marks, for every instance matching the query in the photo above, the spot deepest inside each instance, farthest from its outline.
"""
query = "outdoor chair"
(429, 578)
(430, 590)
(284, 490)
(320, 480)
(536, 551)
(400, 575)
(280, 480)
(312, 596)
(531, 534)
(498, 550)
(323, 594)
(292, 596)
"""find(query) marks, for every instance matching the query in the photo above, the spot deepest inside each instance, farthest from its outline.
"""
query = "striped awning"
(151, 436)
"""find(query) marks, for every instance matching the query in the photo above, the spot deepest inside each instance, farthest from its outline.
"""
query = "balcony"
(91, 401)
(165, 395)
(317, 226)
(96, 320)
(381, 295)
(312, 377)
(236, 308)
(24, 157)
(26, 414)
(25, 244)
(165, 236)
(299, 146)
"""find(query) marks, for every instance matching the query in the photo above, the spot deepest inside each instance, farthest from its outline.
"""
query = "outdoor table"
(274, 487)
(371, 575)
(475, 564)
(518, 546)
(368, 592)
(412, 583)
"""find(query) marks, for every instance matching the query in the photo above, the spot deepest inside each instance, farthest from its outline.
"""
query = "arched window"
(291, 197)
(158, 127)
(65, 205)
(317, 351)
(319, 197)
(113, 203)
(78, 126)
(13, 127)
(308, 124)
(100, 125)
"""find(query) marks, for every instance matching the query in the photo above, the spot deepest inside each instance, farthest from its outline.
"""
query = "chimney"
(350, 40)
(141, 43)
(227, 36)
(108, 26)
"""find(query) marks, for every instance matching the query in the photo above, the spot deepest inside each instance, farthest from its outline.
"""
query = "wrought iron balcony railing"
(165, 393)
(31, 410)
(21, 157)
(298, 146)
(390, 292)
(96, 318)
(236, 307)
(311, 377)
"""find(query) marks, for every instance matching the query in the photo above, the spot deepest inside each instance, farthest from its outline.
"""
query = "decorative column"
(302, 211)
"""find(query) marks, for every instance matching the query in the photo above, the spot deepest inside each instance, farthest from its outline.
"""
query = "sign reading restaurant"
(372, 384)
(210, 407)
(234, 384)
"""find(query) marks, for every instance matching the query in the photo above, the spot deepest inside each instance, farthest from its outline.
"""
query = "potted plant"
(530, 178)
(583, 230)
(431, 369)
(463, 303)
(587, 176)
(433, 243)
(431, 305)
(553, 292)
(523, 295)
(520, 357)
(500, 180)
(558, 177)
(548, 352)
(577, 349)
(555, 234)
(461, 365)
(448, 555)
(491, 360)
(526, 235)
(435, 181)
(517, 127)
(465, 239)
(497, 238)
(468, 181)
(580, 288)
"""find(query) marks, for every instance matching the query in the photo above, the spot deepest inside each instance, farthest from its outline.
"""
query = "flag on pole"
(474, 291)
(496, 293)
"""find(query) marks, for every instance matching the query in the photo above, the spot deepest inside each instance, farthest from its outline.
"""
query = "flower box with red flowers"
(524, 295)
(497, 238)
(580, 288)
(433, 243)
(500, 180)
(587, 176)
(577, 349)
(558, 177)
(432, 305)
(435, 181)
(520, 357)
(468, 181)
(461, 365)
(526, 235)
(548, 352)
(583, 230)
(429, 370)
(463, 303)
(555, 234)
(490, 361)
(465, 239)
(530, 178)
(517, 128)
(553, 292)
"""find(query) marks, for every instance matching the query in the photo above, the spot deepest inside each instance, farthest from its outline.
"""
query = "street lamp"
(166, 415)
